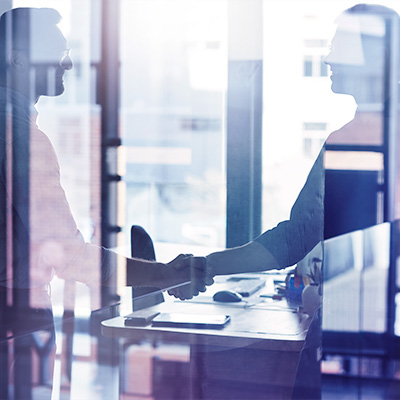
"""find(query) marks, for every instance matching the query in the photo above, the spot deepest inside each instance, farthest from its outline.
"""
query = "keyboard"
(246, 286)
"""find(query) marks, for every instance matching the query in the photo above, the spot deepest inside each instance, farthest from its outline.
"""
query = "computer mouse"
(227, 296)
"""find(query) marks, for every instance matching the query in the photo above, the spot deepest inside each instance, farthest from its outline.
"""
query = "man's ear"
(17, 59)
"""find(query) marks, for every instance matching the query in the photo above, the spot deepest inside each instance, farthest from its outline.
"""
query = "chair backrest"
(142, 247)
(141, 244)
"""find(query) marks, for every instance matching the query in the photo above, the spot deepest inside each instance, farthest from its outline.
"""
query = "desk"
(255, 356)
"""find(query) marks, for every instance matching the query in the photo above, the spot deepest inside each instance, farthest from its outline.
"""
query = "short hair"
(378, 11)
(18, 20)
(18, 25)
(372, 9)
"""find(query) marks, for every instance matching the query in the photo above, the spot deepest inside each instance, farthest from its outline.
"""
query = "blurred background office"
(144, 136)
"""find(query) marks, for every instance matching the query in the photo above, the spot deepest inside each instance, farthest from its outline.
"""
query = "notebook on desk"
(194, 321)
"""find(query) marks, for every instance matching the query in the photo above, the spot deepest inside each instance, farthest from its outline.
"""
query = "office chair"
(142, 247)
(142, 297)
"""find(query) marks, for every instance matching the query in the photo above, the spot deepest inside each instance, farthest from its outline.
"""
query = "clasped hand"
(197, 276)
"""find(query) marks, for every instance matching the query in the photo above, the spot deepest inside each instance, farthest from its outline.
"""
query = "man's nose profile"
(66, 60)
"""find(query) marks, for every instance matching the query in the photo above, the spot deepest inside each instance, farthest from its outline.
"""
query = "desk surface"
(259, 323)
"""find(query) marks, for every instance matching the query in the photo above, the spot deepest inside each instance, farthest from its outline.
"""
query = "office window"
(173, 82)
(323, 71)
(315, 43)
(308, 66)
(313, 65)
(314, 126)
(314, 138)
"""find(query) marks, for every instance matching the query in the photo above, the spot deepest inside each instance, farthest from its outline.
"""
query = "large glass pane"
(236, 118)
(53, 207)
(173, 82)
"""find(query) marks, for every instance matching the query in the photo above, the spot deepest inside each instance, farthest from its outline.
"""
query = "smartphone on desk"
(139, 318)
(194, 321)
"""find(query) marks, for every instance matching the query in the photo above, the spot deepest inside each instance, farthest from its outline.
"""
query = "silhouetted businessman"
(357, 59)
(38, 234)
(360, 51)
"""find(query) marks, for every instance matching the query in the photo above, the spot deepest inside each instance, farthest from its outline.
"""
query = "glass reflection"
(41, 243)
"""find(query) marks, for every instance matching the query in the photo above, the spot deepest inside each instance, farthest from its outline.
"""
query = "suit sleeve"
(290, 241)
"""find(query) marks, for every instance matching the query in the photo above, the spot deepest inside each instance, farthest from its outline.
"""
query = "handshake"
(190, 276)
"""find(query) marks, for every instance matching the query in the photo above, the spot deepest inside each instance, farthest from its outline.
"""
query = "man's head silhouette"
(359, 52)
(33, 52)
